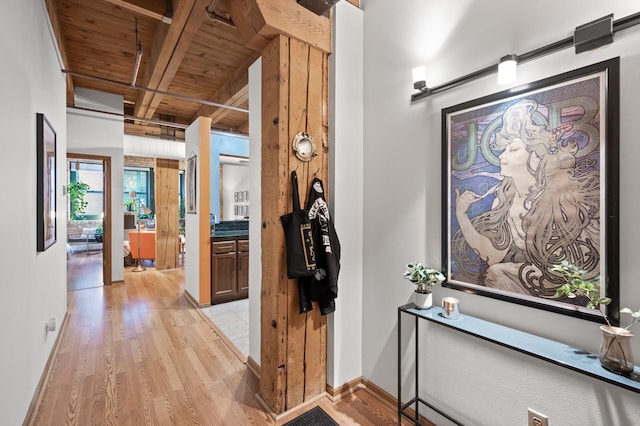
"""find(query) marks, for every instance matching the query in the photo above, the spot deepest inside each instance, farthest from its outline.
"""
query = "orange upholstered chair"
(147, 244)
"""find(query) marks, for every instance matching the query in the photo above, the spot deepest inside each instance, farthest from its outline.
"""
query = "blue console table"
(551, 351)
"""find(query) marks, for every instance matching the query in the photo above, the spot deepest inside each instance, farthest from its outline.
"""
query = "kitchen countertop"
(231, 233)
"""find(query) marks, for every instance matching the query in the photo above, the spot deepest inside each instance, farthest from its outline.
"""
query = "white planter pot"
(422, 300)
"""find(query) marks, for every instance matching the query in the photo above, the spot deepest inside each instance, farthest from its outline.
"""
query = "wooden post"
(295, 44)
(166, 204)
(293, 350)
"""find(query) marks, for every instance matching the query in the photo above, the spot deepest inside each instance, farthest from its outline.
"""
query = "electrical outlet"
(50, 325)
(537, 419)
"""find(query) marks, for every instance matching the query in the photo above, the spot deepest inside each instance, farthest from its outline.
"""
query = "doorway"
(88, 224)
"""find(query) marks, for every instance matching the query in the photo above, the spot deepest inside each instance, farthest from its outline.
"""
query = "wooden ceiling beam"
(260, 21)
(243, 128)
(155, 9)
(57, 31)
(234, 92)
(238, 100)
(170, 46)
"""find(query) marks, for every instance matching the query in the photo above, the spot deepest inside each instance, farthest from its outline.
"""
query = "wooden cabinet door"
(243, 272)
(223, 274)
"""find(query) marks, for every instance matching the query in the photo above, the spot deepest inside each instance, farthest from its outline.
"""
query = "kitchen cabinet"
(229, 269)
(243, 267)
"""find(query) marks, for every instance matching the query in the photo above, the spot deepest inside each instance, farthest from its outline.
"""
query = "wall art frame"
(46, 183)
(192, 164)
(530, 178)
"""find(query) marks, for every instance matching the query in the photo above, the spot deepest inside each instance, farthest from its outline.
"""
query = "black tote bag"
(301, 256)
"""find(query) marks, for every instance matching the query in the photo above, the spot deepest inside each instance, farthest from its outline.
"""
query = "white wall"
(100, 134)
(255, 217)
(344, 343)
(192, 221)
(140, 146)
(477, 382)
(32, 284)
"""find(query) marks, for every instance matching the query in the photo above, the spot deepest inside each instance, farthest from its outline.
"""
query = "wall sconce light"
(419, 78)
(507, 71)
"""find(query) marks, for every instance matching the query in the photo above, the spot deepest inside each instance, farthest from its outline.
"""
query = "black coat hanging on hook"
(323, 285)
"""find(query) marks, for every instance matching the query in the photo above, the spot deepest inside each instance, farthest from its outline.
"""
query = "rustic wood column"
(295, 44)
(293, 349)
(166, 203)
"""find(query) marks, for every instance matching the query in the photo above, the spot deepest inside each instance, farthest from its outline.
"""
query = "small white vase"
(422, 300)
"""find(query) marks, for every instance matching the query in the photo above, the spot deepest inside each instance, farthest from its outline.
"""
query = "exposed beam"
(239, 99)
(243, 128)
(170, 46)
(57, 31)
(154, 9)
(259, 21)
(154, 91)
(233, 93)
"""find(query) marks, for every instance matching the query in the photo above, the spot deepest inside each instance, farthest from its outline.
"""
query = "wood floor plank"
(140, 354)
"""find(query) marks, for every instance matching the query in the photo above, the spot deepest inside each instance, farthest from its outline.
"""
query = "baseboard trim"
(292, 413)
(46, 375)
(389, 400)
(380, 393)
(346, 389)
(194, 302)
(253, 367)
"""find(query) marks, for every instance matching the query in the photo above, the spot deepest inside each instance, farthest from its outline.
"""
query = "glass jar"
(615, 350)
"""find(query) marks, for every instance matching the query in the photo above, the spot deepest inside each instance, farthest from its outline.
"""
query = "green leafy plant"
(634, 315)
(181, 209)
(423, 277)
(577, 285)
(129, 205)
(77, 190)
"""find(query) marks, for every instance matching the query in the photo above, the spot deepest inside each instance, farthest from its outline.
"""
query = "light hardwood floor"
(84, 270)
(138, 353)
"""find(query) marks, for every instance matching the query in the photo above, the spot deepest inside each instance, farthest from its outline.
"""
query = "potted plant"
(615, 348)
(129, 205)
(99, 233)
(424, 278)
(77, 190)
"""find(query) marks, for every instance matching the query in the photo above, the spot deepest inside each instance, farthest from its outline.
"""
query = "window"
(92, 174)
(140, 181)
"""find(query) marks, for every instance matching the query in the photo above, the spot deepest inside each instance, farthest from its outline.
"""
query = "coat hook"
(315, 174)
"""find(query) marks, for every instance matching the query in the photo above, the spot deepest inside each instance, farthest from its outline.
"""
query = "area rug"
(314, 417)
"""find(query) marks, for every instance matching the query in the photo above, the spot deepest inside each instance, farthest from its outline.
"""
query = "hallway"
(140, 353)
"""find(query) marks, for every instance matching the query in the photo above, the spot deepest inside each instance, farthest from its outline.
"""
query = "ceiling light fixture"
(507, 69)
(136, 67)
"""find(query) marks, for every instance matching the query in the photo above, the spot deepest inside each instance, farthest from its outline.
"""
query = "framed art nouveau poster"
(530, 180)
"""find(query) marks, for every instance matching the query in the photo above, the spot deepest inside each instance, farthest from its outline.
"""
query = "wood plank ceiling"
(192, 59)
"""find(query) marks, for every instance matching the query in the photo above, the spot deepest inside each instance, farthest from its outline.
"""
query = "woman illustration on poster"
(545, 210)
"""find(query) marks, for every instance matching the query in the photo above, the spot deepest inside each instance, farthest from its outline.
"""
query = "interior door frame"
(106, 222)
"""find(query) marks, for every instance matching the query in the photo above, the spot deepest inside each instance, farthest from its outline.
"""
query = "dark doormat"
(314, 417)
